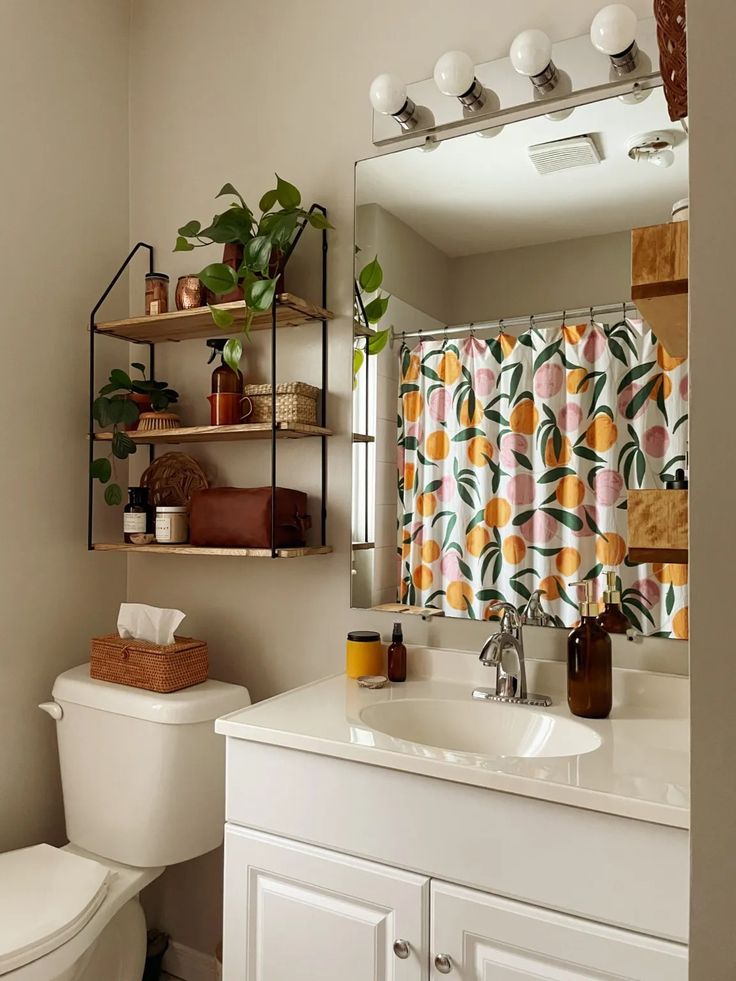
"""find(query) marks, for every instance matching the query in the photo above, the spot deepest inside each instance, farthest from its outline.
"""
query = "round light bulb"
(387, 94)
(663, 158)
(613, 30)
(454, 73)
(531, 52)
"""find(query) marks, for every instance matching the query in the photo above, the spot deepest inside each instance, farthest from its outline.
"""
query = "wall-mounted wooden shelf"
(251, 553)
(185, 325)
(363, 438)
(363, 546)
(360, 329)
(658, 526)
(223, 434)
(659, 282)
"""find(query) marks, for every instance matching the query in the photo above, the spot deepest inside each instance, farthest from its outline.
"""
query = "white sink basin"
(481, 728)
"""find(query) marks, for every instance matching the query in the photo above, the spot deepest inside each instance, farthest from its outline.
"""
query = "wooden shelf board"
(363, 438)
(184, 325)
(360, 329)
(223, 434)
(363, 546)
(251, 553)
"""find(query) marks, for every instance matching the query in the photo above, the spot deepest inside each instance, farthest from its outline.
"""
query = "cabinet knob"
(402, 949)
(443, 963)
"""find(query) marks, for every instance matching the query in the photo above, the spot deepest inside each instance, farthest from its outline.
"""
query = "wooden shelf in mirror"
(360, 329)
(659, 282)
(363, 438)
(185, 325)
(250, 553)
(223, 434)
(363, 546)
(658, 526)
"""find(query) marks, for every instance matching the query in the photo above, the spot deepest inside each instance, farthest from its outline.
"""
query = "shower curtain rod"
(533, 320)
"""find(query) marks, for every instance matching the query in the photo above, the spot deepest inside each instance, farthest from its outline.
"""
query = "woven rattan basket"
(295, 402)
(150, 666)
(672, 42)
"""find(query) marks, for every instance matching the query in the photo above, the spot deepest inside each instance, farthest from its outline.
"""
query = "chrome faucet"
(500, 648)
(534, 614)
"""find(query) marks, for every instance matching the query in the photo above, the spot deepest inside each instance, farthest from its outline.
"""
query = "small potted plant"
(118, 407)
(256, 250)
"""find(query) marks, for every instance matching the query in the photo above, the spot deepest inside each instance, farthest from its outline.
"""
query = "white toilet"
(143, 777)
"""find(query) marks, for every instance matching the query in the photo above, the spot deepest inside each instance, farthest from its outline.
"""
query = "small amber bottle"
(613, 619)
(589, 670)
(397, 656)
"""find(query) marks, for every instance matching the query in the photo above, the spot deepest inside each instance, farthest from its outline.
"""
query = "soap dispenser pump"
(613, 619)
(589, 670)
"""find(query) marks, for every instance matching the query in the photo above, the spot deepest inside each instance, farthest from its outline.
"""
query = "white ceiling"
(474, 195)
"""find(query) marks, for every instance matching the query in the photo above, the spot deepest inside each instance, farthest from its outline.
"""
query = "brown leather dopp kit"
(240, 517)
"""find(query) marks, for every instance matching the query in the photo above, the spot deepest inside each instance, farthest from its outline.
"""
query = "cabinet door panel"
(294, 911)
(492, 939)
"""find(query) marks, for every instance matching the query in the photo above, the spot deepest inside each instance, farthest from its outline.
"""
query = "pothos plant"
(114, 407)
(368, 313)
(263, 239)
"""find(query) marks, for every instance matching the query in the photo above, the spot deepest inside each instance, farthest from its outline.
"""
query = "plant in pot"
(369, 312)
(256, 251)
(118, 407)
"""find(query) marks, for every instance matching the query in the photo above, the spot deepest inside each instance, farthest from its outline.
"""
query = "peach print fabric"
(515, 457)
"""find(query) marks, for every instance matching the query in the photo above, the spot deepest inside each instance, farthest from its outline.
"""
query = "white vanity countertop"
(640, 770)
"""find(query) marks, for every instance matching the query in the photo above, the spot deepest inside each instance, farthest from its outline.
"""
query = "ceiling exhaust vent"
(577, 151)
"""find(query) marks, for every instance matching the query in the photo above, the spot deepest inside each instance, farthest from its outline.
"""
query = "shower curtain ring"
(591, 317)
(532, 322)
(564, 319)
(500, 327)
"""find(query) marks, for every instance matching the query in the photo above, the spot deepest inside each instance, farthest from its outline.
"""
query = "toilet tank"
(143, 774)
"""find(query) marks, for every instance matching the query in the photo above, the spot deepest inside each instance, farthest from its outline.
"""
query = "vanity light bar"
(464, 94)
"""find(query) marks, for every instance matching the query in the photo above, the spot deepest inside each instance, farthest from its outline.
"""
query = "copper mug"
(190, 293)
(228, 408)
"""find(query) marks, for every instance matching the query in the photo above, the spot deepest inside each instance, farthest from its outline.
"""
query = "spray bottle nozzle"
(218, 346)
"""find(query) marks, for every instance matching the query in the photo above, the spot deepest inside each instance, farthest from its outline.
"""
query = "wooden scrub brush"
(148, 421)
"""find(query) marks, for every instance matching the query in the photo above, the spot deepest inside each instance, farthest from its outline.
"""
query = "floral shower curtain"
(515, 456)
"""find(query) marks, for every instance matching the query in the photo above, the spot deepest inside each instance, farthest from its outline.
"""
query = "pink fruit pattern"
(533, 492)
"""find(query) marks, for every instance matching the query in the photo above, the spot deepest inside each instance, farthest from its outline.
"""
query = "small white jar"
(680, 210)
(172, 525)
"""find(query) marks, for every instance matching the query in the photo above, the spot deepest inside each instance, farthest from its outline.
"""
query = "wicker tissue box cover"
(295, 402)
(151, 666)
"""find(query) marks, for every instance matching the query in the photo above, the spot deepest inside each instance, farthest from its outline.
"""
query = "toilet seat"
(46, 897)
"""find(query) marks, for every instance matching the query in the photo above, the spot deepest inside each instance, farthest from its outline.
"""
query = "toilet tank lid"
(200, 703)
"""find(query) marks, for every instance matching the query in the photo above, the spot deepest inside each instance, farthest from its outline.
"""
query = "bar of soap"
(373, 681)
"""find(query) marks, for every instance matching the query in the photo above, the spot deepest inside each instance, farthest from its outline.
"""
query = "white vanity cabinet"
(296, 911)
(479, 937)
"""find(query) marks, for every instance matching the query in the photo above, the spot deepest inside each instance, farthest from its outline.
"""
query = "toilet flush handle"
(54, 709)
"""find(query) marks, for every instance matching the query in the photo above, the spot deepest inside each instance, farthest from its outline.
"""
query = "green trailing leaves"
(371, 276)
(376, 309)
(113, 495)
(222, 318)
(377, 342)
(101, 469)
(286, 194)
(219, 277)
(233, 352)
(259, 294)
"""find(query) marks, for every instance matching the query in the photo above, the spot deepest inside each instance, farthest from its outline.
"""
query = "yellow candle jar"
(364, 653)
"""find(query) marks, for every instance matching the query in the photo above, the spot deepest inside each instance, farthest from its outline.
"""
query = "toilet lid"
(46, 896)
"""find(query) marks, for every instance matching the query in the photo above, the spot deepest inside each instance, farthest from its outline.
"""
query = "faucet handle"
(510, 619)
(534, 613)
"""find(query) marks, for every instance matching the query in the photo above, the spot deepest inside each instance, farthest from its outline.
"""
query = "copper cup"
(190, 293)
(228, 408)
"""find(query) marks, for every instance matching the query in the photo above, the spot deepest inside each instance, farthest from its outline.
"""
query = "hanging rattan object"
(172, 479)
(672, 41)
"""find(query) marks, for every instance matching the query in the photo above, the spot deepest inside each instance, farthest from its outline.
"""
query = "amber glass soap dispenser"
(613, 619)
(589, 672)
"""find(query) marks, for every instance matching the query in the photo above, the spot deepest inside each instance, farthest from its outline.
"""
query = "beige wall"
(64, 175)
(712, 67)
(541, 278)
(234, 95)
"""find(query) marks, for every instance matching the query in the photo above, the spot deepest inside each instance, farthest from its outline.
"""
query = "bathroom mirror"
(507, 393)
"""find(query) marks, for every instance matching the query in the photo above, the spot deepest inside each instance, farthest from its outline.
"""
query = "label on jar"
(134, 522)
(171, 528)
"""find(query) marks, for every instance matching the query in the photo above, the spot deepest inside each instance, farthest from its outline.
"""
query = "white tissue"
(148, 623)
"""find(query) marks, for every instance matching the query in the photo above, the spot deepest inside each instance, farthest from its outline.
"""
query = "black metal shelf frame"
(93, 332)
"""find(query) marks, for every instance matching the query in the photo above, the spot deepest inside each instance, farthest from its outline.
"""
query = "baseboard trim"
(189, 964)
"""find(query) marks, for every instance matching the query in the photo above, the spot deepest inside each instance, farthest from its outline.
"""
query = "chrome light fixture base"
(626, 62)
(406, 117)
(546, 81)
(474, 99)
